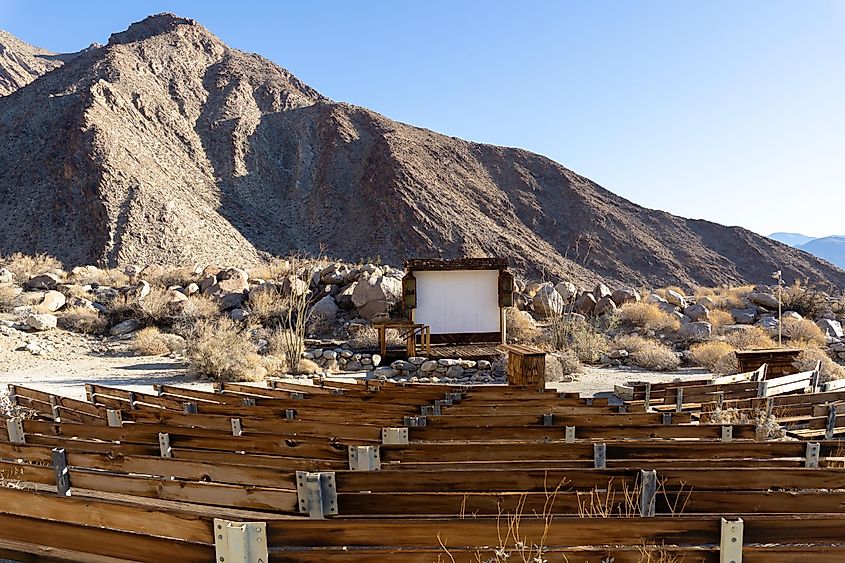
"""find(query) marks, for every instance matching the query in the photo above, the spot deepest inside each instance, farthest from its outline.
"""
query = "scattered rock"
(676, 298)
(567, 290)
(625, 295)
(744, 316)
(6, 276)
(696, 331)
(585, 304)
(547, 302)
(44, 282)
(831, 327)
(768, 323)
(697, 312)
(325, 309)
(53, 301)
(239, 314)
(125, 327)
(43, 321)
(604, 305)
(766, 300)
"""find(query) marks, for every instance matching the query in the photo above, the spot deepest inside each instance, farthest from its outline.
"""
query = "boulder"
(6, 276)
(744, 316)
(585, 304)
(696, 331)
(43, 282)
(697, 312)
(226, 287)
(140, 291)
(531, 288)
(52, 301)
(604, 305)
(567, 290)
(230, 301)
(233, 274)
(676, 298)
(667, 307)
(707, 302)
(376, 295)
(44, 321)
(792, 315)
(601, 291)
(547, 301)
(292, 285)
(831, 328)
(768, 323)
(325, 309)
(625, 295)
(206, 283)
(766, 300)
(428, 366)
(344, 296)
(655, 299)
(239, 314)
(125, 327)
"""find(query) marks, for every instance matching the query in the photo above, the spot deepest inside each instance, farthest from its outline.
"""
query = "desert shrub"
(562, 363)
(648, 316)
(308, 367)
(155, 307)
(520, 326)
(753, 338)
(268, 306)
(149, 342)
(83, 320)
(716, 355)
(9, 297)
(198, 307)
(220, 349)
(719, 318)
(766, 424)
(648, 353)
(321, 326)
(365, 337)
(734, 297)
(273, 269)
(173, 276)
(810, 357)
(26, 267)
(807, 302)
(575, 334)
(113, 277)
(803, 332)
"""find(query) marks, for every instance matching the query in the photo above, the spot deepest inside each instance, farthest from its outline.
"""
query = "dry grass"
(579, 336)
(766, 424)
(754, 338)
(308, 367)
(82, 320)
(268, 306)
(716, 355)
(113, 277)
(169, 277)
(197, 308)
(805, 301)
(830, 370)
(9, 297)
(647, 353)
(220, 349)
(274, 269)
(26, 267)
(155, 307)
(648, 316)
(803, 332)
(734, 297)
(719, 318)
(520, 326)
(150, 342)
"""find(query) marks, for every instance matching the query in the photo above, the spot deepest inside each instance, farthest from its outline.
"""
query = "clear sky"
(721, 109)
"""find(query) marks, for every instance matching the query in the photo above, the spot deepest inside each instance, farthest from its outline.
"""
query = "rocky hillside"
(166, 145)
(21, 63)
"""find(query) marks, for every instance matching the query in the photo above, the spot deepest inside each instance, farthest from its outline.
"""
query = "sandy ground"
(65, 362)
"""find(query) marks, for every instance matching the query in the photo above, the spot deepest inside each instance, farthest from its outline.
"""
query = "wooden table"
(409, 332)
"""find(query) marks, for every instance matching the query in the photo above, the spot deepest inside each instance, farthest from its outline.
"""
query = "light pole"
(779, 277)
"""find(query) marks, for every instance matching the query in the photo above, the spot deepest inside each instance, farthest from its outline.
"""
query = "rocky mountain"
(21, 63)
(830, 248)
(792, 239)
(166, 145)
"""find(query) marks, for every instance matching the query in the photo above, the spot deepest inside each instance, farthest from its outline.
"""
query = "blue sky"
(730, 111)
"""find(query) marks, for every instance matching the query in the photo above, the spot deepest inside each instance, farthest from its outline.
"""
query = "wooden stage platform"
(478, 351)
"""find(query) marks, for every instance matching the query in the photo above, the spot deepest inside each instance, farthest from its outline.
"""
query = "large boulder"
(696, 331)
(601, 291)
(44, 321)
(831, 328)
(344, 296)
(6, 276)
(585, 304)
(604, 305)
(126, 327)
(53, 301)
(547, 301)
(325, 309)
(766, 300)
(293, 285)
(43, 282)
(531, 288)
(567, 290)
(625, 295)
(233, 274)
(697, 312)
(744, 316)
(768, 323)
(376, 295)
(676, 298)
(225, 287)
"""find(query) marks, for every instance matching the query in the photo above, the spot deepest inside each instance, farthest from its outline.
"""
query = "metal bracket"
(394, 436)
(240, 542)
(720, 399)
(569, 435)
(648, 482)
(589, 401)
(623, 408)
(600, 456)
(236, 427)
(189, 408)
(364, 458)
(679, 400)
(647, 400)
(429, 410)
(812, 457)
(290, 414)
(132, 406)
(13, 394)
(248, 402)
(727, 433)
(414, 421)
(300, 396)
(316, 493)
(667, 418)
(62, 472)
(164, 444)
(830, 430)
(443, 402)
(114, 418)
(14, 426)
(547, 420)
(454, 396)
(730, 548)
(335, 392)
(770, 404)
(762, 388)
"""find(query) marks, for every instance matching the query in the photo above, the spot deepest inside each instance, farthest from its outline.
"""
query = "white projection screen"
(458, 301)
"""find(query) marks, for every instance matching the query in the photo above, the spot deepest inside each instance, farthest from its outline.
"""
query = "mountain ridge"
(168, 146)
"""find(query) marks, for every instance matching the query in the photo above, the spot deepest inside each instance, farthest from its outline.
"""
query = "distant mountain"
(792, 239)
(166, 145)
(830, 248)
